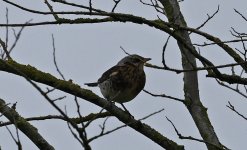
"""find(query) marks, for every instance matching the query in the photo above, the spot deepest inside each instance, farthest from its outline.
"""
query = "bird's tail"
(92, 84)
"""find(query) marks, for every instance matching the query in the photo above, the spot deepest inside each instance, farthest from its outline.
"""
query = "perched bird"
(124, 81)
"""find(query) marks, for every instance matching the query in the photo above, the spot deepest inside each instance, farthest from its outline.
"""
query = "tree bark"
(191, 90)
(30, 131)
(71, 88)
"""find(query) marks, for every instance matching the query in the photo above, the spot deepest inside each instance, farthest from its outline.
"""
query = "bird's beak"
(146, 59)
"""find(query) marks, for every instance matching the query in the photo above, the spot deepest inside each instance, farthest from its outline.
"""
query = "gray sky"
(85, 51)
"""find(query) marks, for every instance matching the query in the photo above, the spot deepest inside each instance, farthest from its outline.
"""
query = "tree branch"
(30, 131)
(77, 120)
(231, 107)
(195, 139)
(68, 87)
(191, 88)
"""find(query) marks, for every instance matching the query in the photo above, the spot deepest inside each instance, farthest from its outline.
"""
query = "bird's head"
(135, 60)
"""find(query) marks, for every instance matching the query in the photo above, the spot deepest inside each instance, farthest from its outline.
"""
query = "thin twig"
(59, 98)
(7, 28)
(90, 117)
(103, 126)
(115, 5)
(194, 69)
(72, 132)
(237, 34)
(223, 42)
(233, 89)
(163, 52)
(90, 6)
(221, 147)
(2, 43)
(124, 51)
(154, 113)
(17, 142)
(80, 116)
(51, 9)
(240, 14)
(164, 95)
(231, 107)
(209, 18)
(125, 125)
(54, 58)
(17, 37)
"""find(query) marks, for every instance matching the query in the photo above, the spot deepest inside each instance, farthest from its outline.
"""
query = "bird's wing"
(110, 73)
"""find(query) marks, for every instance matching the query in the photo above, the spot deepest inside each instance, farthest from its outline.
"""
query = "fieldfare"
(124, 81)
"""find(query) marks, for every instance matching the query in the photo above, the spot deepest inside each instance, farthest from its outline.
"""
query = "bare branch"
(154, 113)
(163, 53)
(103, 126)
(17, 142)
(92, 116)
(164, 26)
(73, 133)
(17, 36)
(194, 69)
(164, 95)
(59, 98)
(237, 34)
(213, 43)
(225, 47)
(194, 139)
(30, 131)
(229, 78)
(79, 6)
(237, 86)
(231, 107)
(155, 5)
(54, 58)
(2, 43)
(90, 6)
(52, 13)
(1, 107)
(46, 98)
(5, 44)
(51, 9)
(102, 133)
(115, 5)
(240, 14)
(7, 28)
(209, 18)
(124, 51)
(83, 130)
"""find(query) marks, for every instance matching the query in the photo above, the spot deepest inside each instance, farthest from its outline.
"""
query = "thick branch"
(115, 17)
(191, 89)
(88, 95)
(158, 24)
(30, 131)
(221, 44)
(231, 79)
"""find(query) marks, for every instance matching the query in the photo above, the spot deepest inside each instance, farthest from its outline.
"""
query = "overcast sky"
(85, 51)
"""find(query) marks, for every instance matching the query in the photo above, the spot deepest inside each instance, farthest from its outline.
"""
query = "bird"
(124, 81)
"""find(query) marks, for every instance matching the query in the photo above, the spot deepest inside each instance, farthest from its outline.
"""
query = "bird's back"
(122, 83)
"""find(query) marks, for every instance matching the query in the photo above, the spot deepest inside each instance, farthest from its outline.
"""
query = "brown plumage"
(124, 81)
